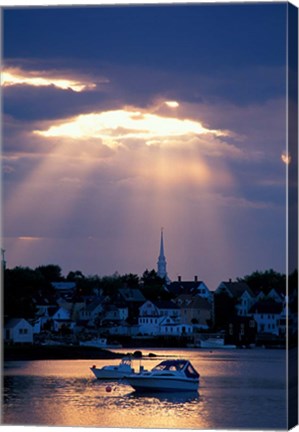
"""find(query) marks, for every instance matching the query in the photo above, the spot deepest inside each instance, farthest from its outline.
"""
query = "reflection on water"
(240, 389)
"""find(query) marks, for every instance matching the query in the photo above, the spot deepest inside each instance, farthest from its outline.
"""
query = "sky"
(120, 120)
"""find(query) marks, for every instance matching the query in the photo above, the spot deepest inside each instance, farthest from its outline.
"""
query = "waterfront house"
(195, 287)
(159, 308)
(267, 315)
(62, 320)
(114, 313)
(43, 304)
(151, 316)
(276, 295)
(240, 292)
(195, 311)
(163, 325)
(170, 327)
(18, 330)
(133, 299)
(90, 312)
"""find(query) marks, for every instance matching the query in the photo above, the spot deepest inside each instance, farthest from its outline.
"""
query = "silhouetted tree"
(131, 280)
(110, 284)
(265, 281)
(74, 276)
(19, 286)
(153, 286)
(51, 272)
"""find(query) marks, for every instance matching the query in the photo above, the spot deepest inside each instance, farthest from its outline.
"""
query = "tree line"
(22, 284)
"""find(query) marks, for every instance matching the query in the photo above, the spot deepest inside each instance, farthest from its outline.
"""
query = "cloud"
(118, 126)
(18, 76)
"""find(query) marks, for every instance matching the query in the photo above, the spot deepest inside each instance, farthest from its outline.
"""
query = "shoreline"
(76, 352)
(56, 352)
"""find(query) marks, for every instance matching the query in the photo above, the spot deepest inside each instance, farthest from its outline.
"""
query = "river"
(240, 389)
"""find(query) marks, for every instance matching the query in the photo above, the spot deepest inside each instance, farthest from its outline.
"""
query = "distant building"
(193, 288)
(18, 330)
(195, 311)
(152, 316)
(267, 314)
(240, 292)
(64, 287)
(62, 320)
(131, 295)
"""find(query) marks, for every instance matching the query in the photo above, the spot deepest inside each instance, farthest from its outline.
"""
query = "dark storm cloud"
(209, 35)
(26, 102)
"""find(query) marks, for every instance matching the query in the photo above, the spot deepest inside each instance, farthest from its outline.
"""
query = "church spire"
(162, 260)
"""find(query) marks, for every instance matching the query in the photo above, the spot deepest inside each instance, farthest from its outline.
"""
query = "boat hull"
(151, 384)
(108, 374)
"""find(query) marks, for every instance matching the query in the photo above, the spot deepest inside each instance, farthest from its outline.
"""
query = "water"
(240, 389)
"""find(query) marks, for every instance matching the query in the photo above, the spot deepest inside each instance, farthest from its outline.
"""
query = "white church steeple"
(162, 272)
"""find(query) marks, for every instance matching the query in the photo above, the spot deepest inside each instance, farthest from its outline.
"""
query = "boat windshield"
(177, 365)
(191, 372)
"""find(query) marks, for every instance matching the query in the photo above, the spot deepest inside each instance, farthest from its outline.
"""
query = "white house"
(276, 296)
(150, 325)
(245, 302)
(169, 327)
(18, 330)
(159, 308)
(267, 315)
(62, 318)
(152, 316)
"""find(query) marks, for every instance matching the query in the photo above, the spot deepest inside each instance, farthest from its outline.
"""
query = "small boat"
(169, 375)
(214, 342)
(114, 372)
(99, 343)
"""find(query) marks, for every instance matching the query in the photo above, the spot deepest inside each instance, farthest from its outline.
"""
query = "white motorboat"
(169, 375)
(114, 371)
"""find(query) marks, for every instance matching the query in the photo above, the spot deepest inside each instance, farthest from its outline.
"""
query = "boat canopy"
(177, 365)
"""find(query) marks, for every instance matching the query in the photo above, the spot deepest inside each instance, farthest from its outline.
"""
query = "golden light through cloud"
(172, 104)
(12, 77)
(28, 238)
(122, 124)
